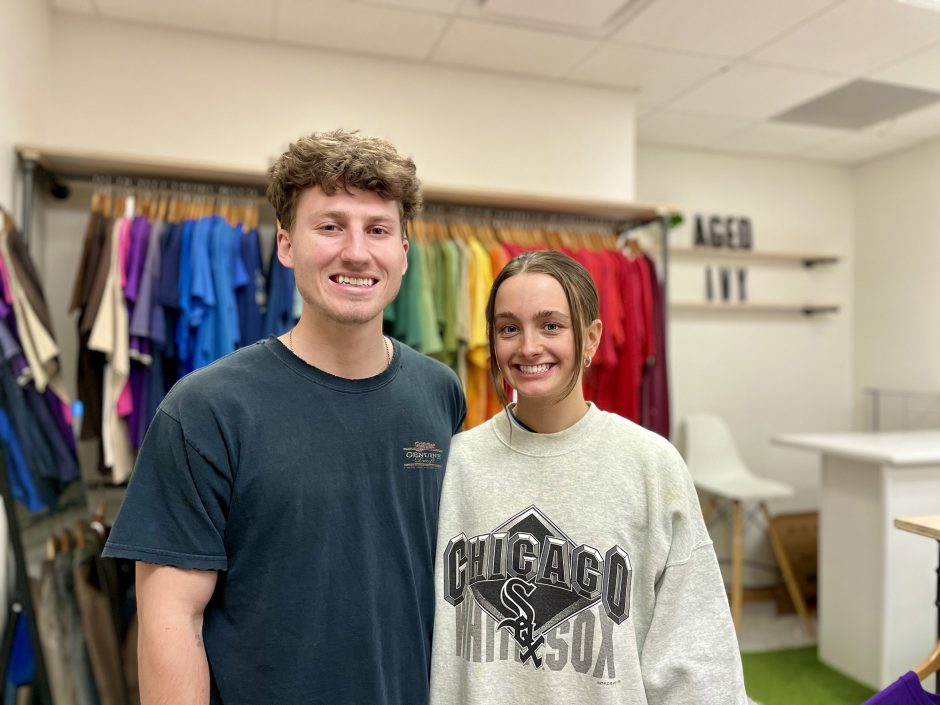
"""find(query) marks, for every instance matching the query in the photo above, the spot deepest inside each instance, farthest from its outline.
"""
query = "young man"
(283, 509)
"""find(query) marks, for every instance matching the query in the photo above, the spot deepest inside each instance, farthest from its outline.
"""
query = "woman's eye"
(552, 327)
(507, 330)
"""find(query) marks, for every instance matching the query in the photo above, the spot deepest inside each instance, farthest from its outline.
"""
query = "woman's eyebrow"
(551, 314)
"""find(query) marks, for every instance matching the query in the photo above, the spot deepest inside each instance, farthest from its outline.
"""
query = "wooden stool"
(718, 471)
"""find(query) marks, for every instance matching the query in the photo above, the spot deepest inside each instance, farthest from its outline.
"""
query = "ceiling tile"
(684, 129)
(856, 37)
(583, 14)
(778, 140)
(440, 7)
(84, 7)
(502, 48)
(360, 28)
(921, 124)
(254, 18)
(656, 75)
(755, 91)
(854, 149)
(922, 70)
(729, 28)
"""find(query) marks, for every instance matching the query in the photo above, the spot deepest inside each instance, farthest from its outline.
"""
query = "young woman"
(573, 565)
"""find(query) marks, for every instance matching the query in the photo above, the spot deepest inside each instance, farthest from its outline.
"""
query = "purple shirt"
(906, 690)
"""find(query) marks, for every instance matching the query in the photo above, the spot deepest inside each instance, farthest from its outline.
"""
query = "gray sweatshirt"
(575, 568)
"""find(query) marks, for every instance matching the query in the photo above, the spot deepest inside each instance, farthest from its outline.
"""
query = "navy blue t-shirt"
(316, 497)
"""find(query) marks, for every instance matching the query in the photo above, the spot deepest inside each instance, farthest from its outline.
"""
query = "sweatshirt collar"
(526, 442)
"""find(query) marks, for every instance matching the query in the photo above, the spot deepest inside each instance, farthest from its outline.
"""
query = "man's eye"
(378, 231)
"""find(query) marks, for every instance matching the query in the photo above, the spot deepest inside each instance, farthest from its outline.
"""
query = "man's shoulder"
(231, 373)
(429, 368)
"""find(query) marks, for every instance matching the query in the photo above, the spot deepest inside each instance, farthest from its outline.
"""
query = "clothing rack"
(51, 164)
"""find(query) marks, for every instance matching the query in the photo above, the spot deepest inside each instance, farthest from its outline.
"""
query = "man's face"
(347, 253)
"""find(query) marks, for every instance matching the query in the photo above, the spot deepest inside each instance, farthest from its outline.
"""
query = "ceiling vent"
(859, 104)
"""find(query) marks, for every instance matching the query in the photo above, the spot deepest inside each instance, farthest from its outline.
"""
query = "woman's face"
(534, 340)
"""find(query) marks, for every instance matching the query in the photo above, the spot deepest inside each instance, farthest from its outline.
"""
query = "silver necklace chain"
(385, 343)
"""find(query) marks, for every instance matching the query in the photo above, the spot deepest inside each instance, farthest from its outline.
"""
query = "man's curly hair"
(342, 160)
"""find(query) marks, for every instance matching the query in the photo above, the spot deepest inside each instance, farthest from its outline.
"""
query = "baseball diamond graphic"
(530, 577)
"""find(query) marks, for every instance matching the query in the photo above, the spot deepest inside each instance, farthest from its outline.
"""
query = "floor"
(762, 629)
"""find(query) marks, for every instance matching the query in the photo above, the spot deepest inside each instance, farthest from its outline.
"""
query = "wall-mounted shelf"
(807, 309)
(719, 253)
(67, 162)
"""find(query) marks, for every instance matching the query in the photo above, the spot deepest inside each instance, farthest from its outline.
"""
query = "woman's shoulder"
(635, 434)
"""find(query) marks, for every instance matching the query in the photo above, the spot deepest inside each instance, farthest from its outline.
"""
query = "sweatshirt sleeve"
(691, 652)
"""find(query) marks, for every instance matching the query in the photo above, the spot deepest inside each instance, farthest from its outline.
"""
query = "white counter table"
(876, 584)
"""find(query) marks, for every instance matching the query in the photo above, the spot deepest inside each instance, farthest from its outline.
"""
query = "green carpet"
(796, 677)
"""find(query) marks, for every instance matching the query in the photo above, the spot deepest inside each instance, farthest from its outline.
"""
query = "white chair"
(719, 473)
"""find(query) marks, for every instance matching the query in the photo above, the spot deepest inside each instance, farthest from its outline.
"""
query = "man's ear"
(405, 244)
(285, 250)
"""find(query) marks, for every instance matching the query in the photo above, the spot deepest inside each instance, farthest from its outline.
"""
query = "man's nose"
(355, 247)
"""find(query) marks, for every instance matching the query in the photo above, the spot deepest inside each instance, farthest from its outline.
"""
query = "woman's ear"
(592, 337)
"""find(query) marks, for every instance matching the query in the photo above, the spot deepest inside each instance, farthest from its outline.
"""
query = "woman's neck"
(545, 416)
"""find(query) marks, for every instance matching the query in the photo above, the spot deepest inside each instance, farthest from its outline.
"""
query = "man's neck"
(348, 351)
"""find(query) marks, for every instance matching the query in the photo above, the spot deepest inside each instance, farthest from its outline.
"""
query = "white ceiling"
(706, 73)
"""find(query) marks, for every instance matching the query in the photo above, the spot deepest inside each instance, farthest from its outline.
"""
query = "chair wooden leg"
(708, 506)
(784, 563)
(737, 560)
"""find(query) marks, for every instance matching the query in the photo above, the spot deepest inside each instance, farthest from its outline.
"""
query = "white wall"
(764, 373)
(25, 38)
(897, 289)
(124, 87)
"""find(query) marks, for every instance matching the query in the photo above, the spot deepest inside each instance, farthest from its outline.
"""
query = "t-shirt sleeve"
(175, 509)
(691, 653)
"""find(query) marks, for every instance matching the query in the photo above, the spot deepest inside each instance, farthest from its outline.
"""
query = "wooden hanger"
(80, 529)
(930, 665)
(8, 224)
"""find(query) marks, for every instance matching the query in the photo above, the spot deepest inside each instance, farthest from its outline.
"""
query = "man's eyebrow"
(329, 214)
(342, 215)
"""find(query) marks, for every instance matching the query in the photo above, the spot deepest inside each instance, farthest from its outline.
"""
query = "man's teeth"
(534, 369)
(355, 281)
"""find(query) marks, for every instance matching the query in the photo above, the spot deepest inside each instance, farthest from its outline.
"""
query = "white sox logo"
(530, 578)
(522, 626)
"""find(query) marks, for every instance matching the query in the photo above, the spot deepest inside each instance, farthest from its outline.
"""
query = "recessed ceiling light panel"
(859, 104)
